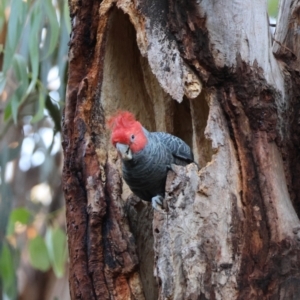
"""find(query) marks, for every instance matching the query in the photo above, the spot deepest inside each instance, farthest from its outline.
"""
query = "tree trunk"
(211, 73)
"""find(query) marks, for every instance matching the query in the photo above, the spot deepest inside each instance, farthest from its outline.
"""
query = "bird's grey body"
(146, 172)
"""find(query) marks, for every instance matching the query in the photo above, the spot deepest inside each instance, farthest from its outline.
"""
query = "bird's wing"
(180, 150)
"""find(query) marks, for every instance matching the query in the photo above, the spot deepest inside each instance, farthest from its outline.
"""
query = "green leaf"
(21, 215)
(2, 13)
(40, 113)
(20, 68)
(53, 26)
(57, 249)
(38, 254)
(11, 108)
(14, 107)
(15, 23)
(34, 45)
(67, 16)
(7, 111)
(18, 11)
(7, 268)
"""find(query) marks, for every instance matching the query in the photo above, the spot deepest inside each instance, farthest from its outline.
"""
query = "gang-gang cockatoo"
(146, 156)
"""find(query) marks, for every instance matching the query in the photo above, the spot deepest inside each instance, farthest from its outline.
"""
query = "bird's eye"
(132, 137)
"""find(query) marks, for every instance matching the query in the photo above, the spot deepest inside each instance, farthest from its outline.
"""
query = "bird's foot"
(157, 203)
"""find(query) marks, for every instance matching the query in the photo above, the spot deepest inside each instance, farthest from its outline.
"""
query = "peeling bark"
(205, 71)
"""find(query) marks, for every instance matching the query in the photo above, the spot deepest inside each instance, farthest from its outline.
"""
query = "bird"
(146, 156)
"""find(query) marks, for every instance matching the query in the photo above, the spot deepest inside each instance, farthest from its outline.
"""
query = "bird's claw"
(157, 203)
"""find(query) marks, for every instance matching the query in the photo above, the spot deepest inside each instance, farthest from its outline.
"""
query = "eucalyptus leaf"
(57, 249)
(34, 44)
(34, 29)
(38, 254)
(7, 111)
(21, 215)
(17, 17)
(40, 113)
(7, 268)
(67, 16)
(52, 27)
(20, 68)
(14, 107)
(2, 13)
(5, 204)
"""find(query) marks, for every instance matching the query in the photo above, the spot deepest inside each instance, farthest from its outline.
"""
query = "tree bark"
(211, 73)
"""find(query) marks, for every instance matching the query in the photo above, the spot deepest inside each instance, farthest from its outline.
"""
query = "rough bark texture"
(103, 261)
(205, 71)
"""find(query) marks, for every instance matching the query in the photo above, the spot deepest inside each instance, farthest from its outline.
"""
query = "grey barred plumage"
(146, 156)
(181, 152)
(146, 172)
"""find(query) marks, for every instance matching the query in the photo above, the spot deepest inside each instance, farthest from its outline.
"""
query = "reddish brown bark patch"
(291, 143)
(103, 261)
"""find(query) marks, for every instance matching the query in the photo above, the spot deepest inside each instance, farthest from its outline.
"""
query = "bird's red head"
(126, 130)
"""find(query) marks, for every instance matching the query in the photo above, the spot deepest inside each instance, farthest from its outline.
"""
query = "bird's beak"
(124, 151)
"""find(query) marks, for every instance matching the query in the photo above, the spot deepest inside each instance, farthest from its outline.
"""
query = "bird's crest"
(122, 119)
(124, 126)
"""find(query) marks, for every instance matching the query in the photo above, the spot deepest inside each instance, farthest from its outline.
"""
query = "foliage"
(44, 253)
(39, 257)
(19, 215)
(273, 8)
(34, 31)
(57, 250)
(7, 267)
(34, 38)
